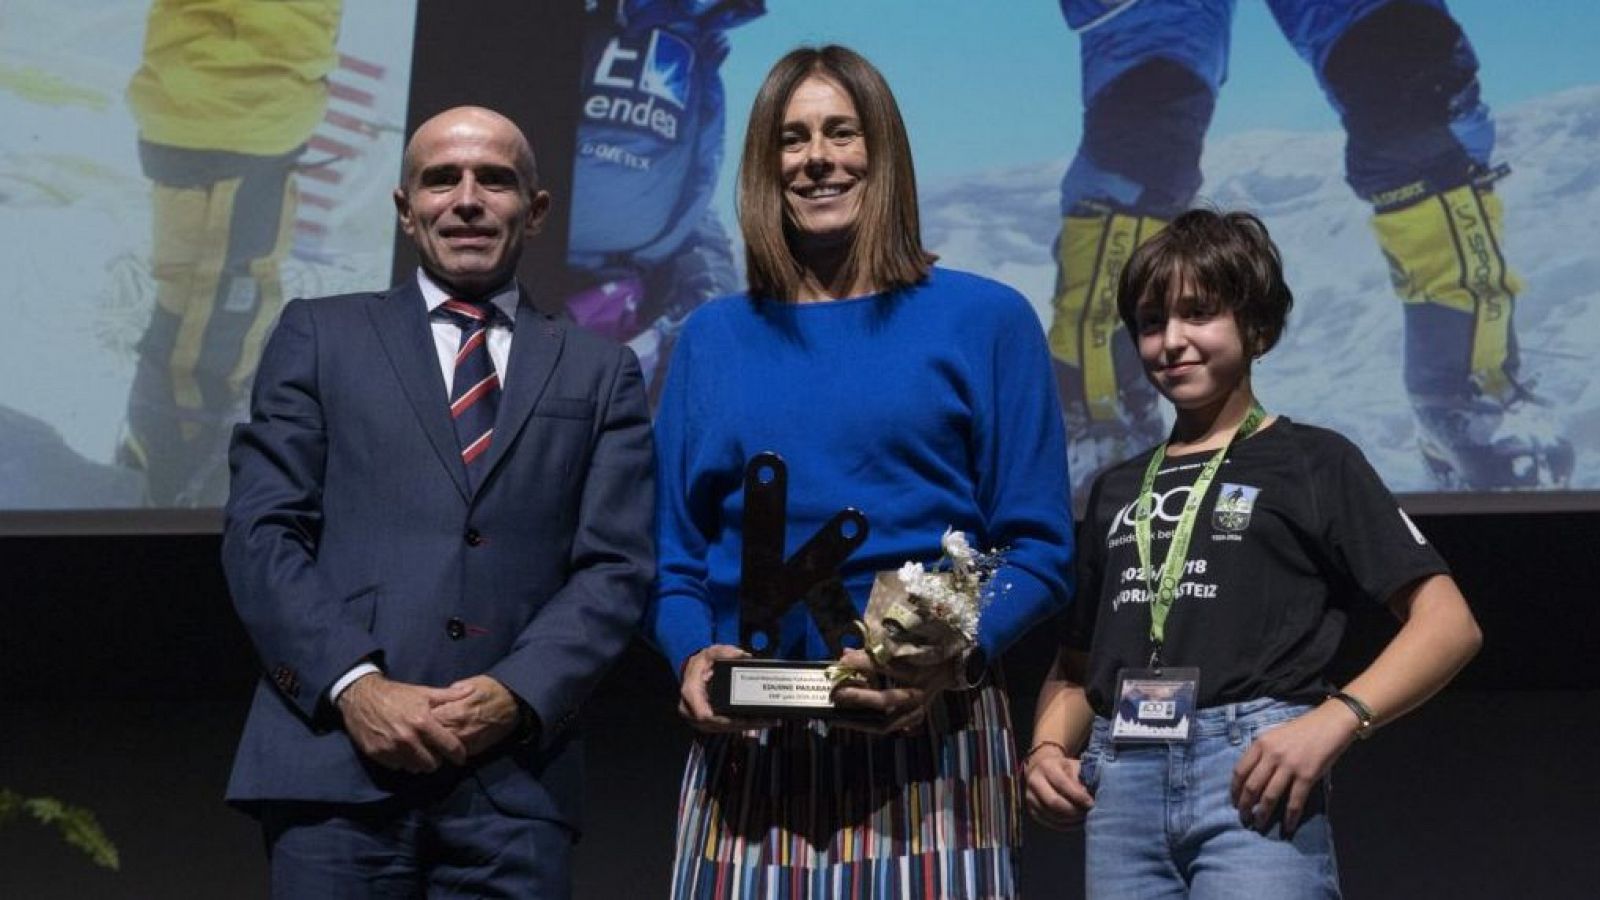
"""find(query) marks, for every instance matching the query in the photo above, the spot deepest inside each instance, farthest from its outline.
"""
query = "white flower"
(954, 544)
(958, 551)
(910, 573)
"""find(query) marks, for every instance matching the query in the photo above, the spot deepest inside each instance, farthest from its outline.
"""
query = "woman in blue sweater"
(920, 396)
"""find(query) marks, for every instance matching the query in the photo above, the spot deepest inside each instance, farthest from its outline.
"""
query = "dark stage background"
(124, 678)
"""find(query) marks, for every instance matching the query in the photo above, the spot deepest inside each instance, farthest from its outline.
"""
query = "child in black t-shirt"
(1216, 569)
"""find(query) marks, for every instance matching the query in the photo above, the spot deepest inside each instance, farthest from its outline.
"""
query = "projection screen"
(171, 171)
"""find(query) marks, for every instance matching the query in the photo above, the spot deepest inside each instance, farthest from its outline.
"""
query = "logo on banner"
(1233, 507)
(660, 72)
(667, 66)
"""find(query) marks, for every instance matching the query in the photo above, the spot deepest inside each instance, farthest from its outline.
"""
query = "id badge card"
(1155, 705)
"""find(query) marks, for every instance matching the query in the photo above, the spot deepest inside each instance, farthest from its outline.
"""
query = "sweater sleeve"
(679, 620)
(1021, 470)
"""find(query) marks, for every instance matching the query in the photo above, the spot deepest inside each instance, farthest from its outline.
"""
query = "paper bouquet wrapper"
(898, 629)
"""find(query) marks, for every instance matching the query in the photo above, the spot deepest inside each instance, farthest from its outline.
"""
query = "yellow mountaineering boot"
(1110, 409)
(1478, 427)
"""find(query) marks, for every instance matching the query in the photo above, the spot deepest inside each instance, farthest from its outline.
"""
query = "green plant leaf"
(77, 825)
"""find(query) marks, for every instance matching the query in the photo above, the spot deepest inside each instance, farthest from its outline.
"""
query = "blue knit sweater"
(929, 408)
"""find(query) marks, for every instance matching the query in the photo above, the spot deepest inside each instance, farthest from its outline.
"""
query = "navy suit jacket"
(352, 532)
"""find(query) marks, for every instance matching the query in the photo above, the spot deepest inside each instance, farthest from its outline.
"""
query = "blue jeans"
(1163, 824)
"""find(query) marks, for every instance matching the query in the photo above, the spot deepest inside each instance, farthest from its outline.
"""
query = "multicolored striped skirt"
(808, 811)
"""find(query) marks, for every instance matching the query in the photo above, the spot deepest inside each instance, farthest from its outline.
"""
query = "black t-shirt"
(1296, 523)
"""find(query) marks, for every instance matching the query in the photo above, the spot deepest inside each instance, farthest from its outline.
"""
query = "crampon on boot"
(1484, 443)
(1094, 445)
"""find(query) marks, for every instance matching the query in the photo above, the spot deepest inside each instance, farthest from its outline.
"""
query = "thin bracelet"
(1362, 712)
(1041, 745)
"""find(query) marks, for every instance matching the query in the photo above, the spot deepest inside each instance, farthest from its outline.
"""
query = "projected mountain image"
(1339, 365)
(80, 242)
(79, 210)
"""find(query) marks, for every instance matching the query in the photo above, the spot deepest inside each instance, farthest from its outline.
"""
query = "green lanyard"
(1163, 593)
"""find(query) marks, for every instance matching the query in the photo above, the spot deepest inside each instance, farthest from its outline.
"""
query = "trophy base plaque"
(778, 688)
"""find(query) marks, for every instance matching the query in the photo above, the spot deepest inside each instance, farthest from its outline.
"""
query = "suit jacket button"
(473, 537)
(456, 628)
(287, 680)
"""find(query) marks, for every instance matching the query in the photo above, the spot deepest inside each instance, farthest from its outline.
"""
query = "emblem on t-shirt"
(1233, 507)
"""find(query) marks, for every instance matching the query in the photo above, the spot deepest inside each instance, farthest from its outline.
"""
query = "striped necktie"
(475, 388)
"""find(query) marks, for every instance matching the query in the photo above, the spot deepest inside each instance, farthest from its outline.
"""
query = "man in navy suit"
(432, 599)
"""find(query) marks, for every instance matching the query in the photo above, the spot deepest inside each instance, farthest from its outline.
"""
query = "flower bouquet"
(922, 617)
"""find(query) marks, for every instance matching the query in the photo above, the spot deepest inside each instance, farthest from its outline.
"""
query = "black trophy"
(769, 584)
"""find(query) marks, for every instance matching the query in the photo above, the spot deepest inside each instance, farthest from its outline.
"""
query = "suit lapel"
(401, 319)
(535, 347)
